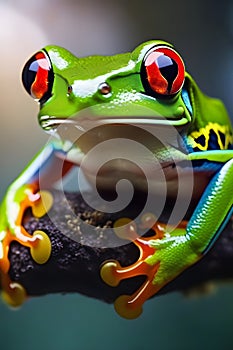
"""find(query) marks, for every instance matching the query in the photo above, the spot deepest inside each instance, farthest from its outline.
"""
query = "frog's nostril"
(104, 88)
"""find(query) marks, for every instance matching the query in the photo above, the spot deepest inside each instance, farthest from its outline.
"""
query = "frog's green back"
(211, 126)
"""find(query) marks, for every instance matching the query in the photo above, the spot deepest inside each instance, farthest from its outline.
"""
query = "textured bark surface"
(74, 266)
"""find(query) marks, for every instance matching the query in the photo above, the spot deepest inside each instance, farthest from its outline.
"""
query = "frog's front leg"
(26, 192)
(161, 260)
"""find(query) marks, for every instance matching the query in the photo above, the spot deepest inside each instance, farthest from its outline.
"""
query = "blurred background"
(202, 31)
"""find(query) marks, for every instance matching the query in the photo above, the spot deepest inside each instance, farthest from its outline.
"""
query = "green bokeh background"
(202, 30)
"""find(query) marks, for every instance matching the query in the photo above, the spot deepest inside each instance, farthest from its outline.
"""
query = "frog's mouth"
(52, 123)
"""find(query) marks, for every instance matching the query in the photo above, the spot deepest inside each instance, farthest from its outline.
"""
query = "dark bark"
(74, 266)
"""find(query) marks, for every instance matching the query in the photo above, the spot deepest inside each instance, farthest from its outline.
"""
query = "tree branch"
(75, 266)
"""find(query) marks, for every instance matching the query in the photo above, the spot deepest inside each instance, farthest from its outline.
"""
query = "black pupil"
(168, 68)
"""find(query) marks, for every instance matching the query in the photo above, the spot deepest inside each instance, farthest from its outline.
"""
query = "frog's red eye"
(163, 71)
(38, 76)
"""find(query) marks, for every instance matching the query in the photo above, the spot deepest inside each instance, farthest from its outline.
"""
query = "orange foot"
(130, 306)
(11, 216)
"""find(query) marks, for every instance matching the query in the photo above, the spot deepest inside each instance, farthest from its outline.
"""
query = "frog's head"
(133, 91)
(147, 86)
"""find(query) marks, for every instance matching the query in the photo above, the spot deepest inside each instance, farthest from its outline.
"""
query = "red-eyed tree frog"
(148, 86)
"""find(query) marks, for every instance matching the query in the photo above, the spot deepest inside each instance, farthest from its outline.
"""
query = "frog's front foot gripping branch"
(11, 217)
(156, 261)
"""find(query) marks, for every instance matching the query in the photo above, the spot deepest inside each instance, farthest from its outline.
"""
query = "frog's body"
(138, 96)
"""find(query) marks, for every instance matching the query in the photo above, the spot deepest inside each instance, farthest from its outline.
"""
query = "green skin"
(128, 101)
